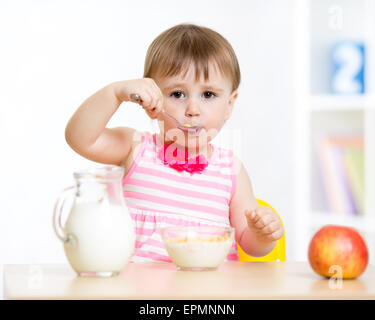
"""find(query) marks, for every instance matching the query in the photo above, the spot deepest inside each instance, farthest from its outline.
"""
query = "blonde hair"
(176, 48)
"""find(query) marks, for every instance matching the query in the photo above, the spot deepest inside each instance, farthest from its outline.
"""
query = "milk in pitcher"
(98, 235)
(103, 237)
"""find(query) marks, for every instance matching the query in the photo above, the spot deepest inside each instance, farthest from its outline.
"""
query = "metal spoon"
(184, 127)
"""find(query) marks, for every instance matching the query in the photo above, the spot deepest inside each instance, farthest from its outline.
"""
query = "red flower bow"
(179, 160)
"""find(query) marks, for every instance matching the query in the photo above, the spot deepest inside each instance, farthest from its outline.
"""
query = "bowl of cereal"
(198, 248)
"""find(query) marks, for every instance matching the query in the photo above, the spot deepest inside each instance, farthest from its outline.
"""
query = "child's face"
(205, 103)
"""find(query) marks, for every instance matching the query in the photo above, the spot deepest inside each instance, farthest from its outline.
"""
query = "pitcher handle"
(57, 211)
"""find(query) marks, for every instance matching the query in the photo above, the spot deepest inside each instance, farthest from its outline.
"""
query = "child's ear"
(232, 100)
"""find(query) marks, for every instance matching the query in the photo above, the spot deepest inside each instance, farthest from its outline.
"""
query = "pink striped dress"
(158, 196)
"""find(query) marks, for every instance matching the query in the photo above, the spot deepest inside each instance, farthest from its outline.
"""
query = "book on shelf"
(354, 163)
(341, 167)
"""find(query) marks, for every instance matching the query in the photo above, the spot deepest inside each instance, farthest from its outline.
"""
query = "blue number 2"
(348, 68)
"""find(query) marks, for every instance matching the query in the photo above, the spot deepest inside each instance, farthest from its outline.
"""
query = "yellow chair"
(277, 254)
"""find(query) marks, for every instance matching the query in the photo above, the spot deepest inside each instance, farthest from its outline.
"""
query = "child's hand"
(150, 95)
(265, 223)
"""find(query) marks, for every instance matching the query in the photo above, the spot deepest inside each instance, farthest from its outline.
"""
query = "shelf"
(341, 102)
(362, 222)
(318, 112)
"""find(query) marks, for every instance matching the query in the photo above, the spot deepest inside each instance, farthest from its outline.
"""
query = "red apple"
(338, 247)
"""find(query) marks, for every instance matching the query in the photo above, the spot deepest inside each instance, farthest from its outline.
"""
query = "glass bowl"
(198, 248)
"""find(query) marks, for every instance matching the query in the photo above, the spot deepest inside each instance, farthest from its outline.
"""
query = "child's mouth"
(186, 127)
(193, 130)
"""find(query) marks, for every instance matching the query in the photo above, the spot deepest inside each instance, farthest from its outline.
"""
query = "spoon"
(184, 127)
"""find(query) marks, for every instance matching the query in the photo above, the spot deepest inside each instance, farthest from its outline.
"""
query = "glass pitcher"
(98, 235)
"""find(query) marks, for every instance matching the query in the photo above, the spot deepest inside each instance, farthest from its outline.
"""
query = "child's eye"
(177, 94)
(209, 94)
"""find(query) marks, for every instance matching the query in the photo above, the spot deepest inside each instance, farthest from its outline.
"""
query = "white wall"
(54, 54)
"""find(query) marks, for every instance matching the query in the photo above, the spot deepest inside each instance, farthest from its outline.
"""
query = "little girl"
(177, 177)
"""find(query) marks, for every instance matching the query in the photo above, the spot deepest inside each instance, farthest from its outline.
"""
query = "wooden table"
(233, 280)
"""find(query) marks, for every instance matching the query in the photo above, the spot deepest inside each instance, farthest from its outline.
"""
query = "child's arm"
(257, 228)
(86, 131)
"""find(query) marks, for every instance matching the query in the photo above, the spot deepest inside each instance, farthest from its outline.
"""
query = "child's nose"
(192, 109)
